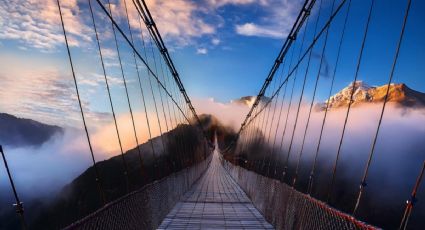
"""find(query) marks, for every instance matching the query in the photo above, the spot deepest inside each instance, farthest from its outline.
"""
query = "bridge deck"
(215, 202)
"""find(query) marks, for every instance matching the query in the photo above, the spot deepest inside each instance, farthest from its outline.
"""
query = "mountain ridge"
(399, 94)
(23, 132)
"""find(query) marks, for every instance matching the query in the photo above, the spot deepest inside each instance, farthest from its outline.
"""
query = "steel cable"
(390, 79)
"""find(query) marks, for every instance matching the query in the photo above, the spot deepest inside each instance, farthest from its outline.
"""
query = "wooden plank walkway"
(215, 202)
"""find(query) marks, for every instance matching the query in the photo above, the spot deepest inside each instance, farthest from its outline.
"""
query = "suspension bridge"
(197, 177)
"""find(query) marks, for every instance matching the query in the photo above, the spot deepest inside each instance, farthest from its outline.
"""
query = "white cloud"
(215, 41)
(251, 29)
(109, 53)
(277, 23)
(177, 20)
(201, 51)
(220, 3)
(36, 23)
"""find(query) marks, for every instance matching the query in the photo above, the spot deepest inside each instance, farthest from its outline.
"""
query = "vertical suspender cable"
(313, 169)
(288, 112)
(263, 142)
(125, 86)
(19, 205)
(157, 116)
(390, 79)
(359, 61)
(272, 153)
(280, 115)
(141, 89)
(274, 113)
(312, 102)
(96, 171)
(156, 36)
(276, 91)
(110, 102)
(411, 202)
(144, 102)
(167, 101)
(302, 16)
(301, 98)
(159, 88)
(136, 51)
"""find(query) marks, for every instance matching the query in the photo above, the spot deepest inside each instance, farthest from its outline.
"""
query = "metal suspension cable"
(80, 104)
(156, 111)
(286, 119)
(248, 118)
(261, 128)
(141, 89)
(261, 110)
(390, 79)
(274, 113)
(274, 108)
(165, 84)
(301, 97)
(308, 50)
(303, 14)
(249, 132)
(292, 91)
(144, 100)
(161, 156)
(110, 102)
(412, 200)
(272, 155)
(313, 169)
(165, 75)
(125, 86)
(291, 96)
(177, 118)
(351, 101)
(137, 53)
(159, 88)
(144, 12)
(162, 103)
(266, 130)
(19, 205)
(312, 102)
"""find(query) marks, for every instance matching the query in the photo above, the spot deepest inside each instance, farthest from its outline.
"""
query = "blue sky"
(223, 49)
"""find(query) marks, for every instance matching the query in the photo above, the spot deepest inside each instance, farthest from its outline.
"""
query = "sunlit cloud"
(48, 95)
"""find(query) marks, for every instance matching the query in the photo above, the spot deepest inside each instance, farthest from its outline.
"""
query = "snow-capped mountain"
(249, 100)
(363, 93)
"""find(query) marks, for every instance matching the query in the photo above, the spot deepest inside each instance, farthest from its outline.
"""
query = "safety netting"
(286, 208)
(146, 207)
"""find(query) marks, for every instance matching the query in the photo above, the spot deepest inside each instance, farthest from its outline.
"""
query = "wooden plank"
(215, 201)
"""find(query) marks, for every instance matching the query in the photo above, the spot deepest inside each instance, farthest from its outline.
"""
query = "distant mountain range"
(20, 132)
(400, 94)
